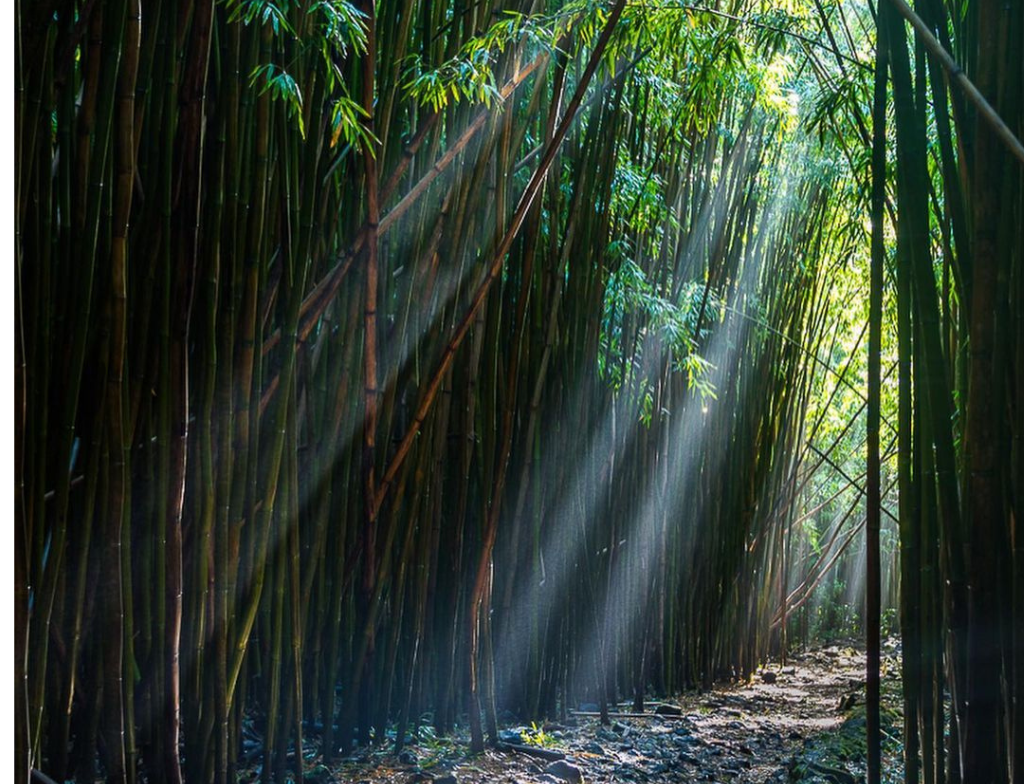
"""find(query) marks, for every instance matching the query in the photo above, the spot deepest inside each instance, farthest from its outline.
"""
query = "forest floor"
(802, 722)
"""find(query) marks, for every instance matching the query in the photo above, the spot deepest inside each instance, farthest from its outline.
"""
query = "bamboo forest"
(518, 391)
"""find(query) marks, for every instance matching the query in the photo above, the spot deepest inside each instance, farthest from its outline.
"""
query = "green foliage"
(336, 29)
(261, 12)
(536, 736)
(769, 30)
(637, 197)
(835, 104)
(282, 87)
(630, 294)
(469, 75)
(346, 123)
(342, 27)
(890, 623)
(834, 617)
(840, 753)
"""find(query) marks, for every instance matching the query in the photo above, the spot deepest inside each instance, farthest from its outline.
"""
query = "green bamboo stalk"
(872, 615)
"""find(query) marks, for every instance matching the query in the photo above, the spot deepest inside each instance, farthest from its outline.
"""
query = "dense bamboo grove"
(959, 275)
(402, 362)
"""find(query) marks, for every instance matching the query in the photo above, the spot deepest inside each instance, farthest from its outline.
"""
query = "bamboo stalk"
(956, 73)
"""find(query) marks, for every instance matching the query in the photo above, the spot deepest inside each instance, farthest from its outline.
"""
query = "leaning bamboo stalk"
(516, 222)
(325, 290)
(453, 152)
(956, 73)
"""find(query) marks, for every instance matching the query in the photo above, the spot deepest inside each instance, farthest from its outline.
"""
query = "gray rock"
(626, 772)
(564, 771)
(668, 710)
(510, 736)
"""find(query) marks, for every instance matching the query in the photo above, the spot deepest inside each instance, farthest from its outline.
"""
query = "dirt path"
(743, 733)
